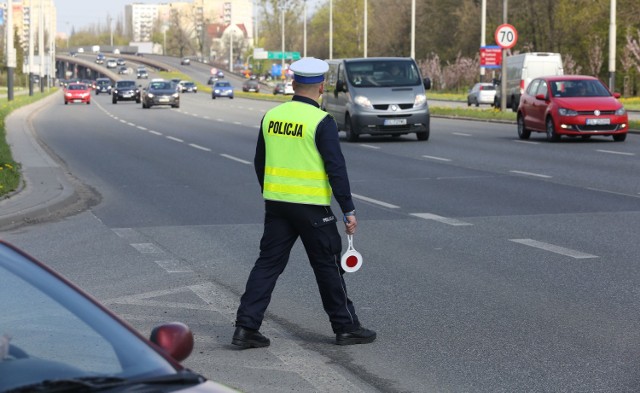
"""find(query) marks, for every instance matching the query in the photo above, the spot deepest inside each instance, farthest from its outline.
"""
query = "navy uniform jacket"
(328, 145)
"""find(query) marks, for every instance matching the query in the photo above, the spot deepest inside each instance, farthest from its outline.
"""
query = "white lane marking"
(131, 124)
(610, 192)
(174, 266)
(531, 174)
(123, 121)
(553, 248)
(437, 158)
(222, 120)
(155, 132)
(444, 220)
(529, 142)
(374, 201)
(461, 134)
(173, 138)
(235, 159)
(147, 248)
(142, 128)
(622, 153)
(207, 117)
(237, 123)
(369, 146)
(199, 147)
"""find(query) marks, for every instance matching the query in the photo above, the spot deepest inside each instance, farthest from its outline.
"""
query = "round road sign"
(506, 36)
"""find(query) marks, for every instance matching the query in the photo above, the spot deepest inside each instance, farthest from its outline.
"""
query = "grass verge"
(9, 169)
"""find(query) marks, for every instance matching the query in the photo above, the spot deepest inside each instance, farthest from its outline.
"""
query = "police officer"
(299, 165)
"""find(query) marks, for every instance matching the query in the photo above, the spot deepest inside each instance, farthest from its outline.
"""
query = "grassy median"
(9, 169)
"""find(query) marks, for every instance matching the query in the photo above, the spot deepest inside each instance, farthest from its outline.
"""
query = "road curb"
(45, 187)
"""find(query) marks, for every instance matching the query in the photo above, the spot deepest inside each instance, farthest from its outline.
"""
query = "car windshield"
(579, 88)
(77, 87)
(54, 332)
(102, 82)
(126, 84)
(223, 84)
(160, 86)
(383, 73)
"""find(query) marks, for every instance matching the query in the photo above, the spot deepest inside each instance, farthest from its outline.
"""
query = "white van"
(377, 96)
(522, 69)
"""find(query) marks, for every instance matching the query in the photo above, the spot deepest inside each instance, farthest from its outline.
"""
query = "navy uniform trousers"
(316, 226)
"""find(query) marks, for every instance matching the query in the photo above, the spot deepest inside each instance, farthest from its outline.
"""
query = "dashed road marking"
(528, 142)
(461, 134)
(622, 153)
(174, 266)
(235, 159)
(437, 158)
(199, 147)
(531, 174)
(444, 220)
(553, 248)
(375, 201)
(173, 138)
(155, 132)
(147, 248)
(369, 146)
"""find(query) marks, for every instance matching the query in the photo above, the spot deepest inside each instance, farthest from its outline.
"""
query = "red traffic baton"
(351, 260)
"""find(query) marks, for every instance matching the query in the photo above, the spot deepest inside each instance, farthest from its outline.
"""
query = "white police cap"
(309, 70)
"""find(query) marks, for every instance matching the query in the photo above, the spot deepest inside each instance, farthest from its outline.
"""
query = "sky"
(81, 13)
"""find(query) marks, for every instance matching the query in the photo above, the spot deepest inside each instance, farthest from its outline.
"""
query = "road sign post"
(506, 37)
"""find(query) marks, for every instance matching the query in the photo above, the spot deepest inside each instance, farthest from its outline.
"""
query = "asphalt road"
(490, 264)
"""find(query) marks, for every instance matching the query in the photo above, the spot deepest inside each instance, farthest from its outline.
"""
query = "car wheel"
(586, 137)
(88, 102)
(523, 133)
(477, 104)
(213, 97)
(175, 106)
(468, 102)
(137, 101)
(348, 128)
(619, 137)
(66, 102)
(422, 136)
(552, 135)
(114, 101)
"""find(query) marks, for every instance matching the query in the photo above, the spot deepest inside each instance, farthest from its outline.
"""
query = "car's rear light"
(521, 86)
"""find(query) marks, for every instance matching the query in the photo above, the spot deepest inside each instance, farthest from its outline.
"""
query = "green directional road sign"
(287, 55)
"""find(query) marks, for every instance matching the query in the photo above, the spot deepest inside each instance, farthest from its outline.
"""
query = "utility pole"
(612, 46)
(11, 51)
(41, 46)
(503, 76)
(31, 53)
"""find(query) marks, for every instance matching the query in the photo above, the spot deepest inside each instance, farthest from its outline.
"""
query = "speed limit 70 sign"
(506, 36)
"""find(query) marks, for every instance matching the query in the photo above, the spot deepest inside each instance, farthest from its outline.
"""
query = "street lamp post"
(413, 29)
(330, 29)
(366, 27)
(282, 22)
(304, 51)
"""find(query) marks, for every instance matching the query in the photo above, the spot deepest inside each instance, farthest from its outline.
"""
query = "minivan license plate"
(395, 122)
(597, 122)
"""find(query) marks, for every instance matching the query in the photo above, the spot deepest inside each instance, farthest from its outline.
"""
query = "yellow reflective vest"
(294, 170)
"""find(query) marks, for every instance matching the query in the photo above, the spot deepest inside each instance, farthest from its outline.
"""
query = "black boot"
(360, 336)
(249, 338)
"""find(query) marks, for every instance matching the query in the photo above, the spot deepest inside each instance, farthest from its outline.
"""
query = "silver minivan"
(377, 96)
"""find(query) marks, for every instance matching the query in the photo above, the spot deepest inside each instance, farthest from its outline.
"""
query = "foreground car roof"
(53, 331)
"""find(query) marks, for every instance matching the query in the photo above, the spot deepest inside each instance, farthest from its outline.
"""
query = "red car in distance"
(77, 92)
(571, 105)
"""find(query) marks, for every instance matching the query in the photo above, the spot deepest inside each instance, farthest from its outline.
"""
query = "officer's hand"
(350, 225)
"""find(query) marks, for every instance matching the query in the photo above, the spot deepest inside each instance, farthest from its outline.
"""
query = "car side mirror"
(427, 83)
(541, 97)
(617, 95)
(340, 85)
(175, 338)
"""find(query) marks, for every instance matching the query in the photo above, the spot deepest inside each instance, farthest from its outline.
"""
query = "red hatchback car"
(572, 105)
(77, 92)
